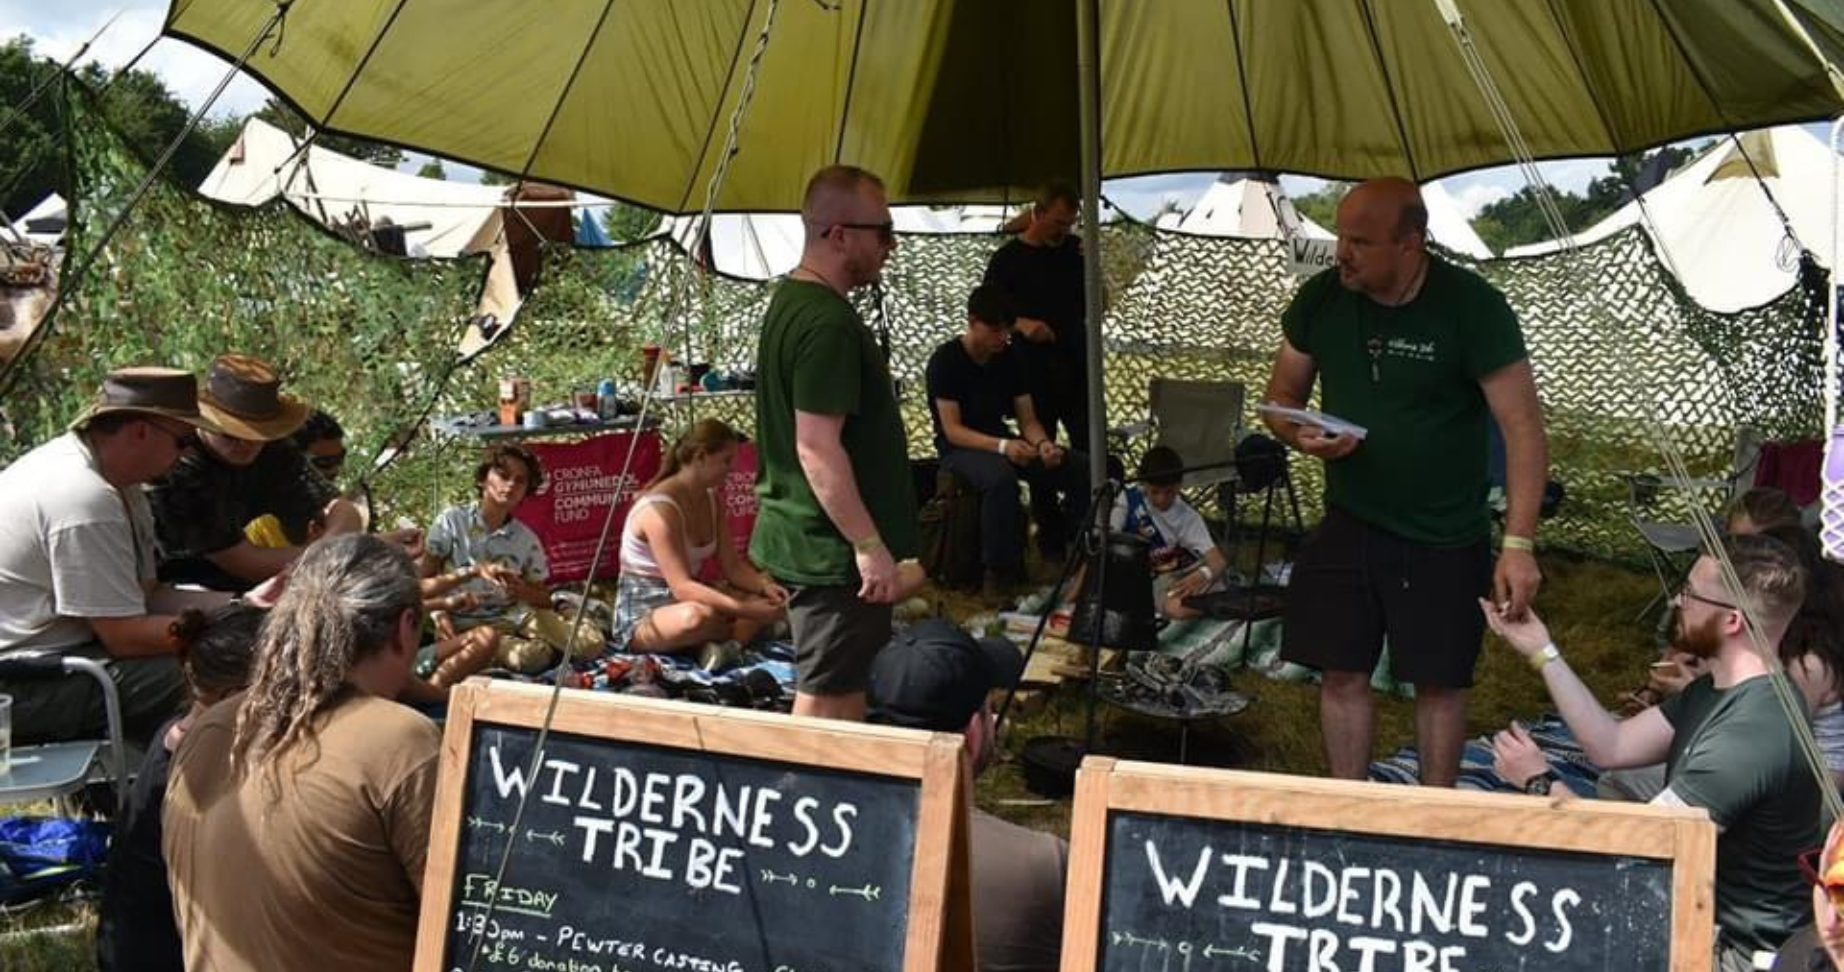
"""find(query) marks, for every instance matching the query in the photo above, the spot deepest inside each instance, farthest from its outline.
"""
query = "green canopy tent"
(973, 100)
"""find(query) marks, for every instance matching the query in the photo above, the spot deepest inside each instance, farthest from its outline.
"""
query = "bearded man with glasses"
(1726, 742)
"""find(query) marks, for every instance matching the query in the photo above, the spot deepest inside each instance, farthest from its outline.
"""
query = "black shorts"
(836, 636)
(1354, 584)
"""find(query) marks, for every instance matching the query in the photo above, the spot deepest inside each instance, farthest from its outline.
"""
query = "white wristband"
(1205, 570)
(1001, 447)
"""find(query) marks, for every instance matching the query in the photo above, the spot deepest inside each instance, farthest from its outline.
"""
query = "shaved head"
(1382, 239)
(835, 195)
(1398, 199)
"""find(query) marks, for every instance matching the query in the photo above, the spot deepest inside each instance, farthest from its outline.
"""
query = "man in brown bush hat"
(77, 557)
(246, 470)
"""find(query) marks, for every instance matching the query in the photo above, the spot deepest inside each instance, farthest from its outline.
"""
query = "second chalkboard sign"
(1191, 870)
(634, 852)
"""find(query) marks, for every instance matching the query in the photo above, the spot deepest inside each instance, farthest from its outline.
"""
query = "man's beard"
(1702, 641)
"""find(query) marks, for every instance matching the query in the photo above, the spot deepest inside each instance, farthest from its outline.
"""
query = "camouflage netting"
(369, 336)
(186, 279)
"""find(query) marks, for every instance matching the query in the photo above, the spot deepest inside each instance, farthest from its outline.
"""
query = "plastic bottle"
(607, 403)
(1831, 519)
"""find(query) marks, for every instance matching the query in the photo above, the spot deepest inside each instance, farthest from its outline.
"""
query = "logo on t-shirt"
(1412, 350)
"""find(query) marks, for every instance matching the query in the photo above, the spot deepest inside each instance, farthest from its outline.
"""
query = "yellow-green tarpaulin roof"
(964, 100)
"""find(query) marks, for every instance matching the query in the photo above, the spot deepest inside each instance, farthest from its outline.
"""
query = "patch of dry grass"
(1588, 605)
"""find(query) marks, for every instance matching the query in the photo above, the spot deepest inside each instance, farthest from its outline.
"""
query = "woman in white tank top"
(674, 527)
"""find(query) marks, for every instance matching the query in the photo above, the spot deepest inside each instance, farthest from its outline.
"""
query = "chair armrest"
(26, 666)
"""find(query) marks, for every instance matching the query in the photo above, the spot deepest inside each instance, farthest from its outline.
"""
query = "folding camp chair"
(56, 771)
(1200, 421)
(1673, 545)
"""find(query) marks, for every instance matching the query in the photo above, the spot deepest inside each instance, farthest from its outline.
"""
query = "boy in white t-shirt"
(1185, 560)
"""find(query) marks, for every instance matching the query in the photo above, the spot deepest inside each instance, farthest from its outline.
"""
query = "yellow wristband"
(1548, 653)
(868, 544)
(1512, 542)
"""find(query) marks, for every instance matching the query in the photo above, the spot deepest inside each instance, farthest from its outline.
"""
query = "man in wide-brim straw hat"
(77, 557)
(244, 470)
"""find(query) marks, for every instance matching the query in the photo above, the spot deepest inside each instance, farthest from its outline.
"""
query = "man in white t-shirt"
(1185, 560)
(77, 558)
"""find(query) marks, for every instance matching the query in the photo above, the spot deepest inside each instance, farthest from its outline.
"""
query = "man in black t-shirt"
(975, 383)
(1042, 271)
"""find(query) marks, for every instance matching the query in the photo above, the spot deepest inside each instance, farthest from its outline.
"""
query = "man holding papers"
(1419, 354)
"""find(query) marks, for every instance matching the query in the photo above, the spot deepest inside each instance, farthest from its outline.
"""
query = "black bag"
(950, 523)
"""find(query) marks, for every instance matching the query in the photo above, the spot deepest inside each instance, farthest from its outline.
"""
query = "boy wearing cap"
(77, 558)
(241, 473)
(936, 677)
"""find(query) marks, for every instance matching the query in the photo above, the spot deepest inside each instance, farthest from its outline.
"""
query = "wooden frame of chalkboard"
(935, 929)
(1262, 822)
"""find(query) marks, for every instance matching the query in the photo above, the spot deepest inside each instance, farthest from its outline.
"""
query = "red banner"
(738, 496)
(580, 480)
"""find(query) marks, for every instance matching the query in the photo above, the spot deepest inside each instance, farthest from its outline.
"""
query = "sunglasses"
(886, 230)
(181, 440)
(329, 463)
(1809, 864)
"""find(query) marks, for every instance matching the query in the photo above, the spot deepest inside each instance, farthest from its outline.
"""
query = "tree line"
(1517, 219)
(149, 116)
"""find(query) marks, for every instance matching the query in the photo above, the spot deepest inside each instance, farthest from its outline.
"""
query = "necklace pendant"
(1376, 373)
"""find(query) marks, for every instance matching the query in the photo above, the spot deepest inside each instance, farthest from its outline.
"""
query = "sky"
(60, 27)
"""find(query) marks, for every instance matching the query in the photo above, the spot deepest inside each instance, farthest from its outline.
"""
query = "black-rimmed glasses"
(1685, 591)
(886, 230)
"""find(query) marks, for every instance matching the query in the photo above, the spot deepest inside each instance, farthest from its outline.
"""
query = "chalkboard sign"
(659, 835)
(1201, 870)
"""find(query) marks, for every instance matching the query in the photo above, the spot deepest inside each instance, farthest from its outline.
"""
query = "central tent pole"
(1088, 72)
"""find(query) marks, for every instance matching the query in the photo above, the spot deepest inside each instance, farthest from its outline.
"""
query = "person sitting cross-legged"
(675, 527)
(489, 553)
(1185, 560)
(975, 383)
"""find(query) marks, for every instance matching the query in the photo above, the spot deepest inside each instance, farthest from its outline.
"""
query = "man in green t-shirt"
(1726, 742)
(838, 506)
(1421, 354)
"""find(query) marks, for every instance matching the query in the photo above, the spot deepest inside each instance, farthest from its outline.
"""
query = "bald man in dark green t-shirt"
(1422, 354)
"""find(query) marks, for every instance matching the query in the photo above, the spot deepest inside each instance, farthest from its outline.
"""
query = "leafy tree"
(1322, 207)
(283, 116)
(136, 102)
(625, 223)
(432, 169)
(494, 177)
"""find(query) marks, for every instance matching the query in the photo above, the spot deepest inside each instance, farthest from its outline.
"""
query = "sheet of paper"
(1306, 416)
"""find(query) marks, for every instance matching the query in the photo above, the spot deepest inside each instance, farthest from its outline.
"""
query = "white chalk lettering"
(1239, 897)
(1278, 936)
(1559, 906)
(1171, 889)
(842, 817)
(1519, 895)
(561, 770)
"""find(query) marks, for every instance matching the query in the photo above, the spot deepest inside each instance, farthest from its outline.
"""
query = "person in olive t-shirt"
(1727, 744)
(837, 505)
(1421, 354)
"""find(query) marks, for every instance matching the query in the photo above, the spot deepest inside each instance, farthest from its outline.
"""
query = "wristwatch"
(1539, 784)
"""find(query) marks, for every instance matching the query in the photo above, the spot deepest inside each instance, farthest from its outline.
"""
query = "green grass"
(1588, 605)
